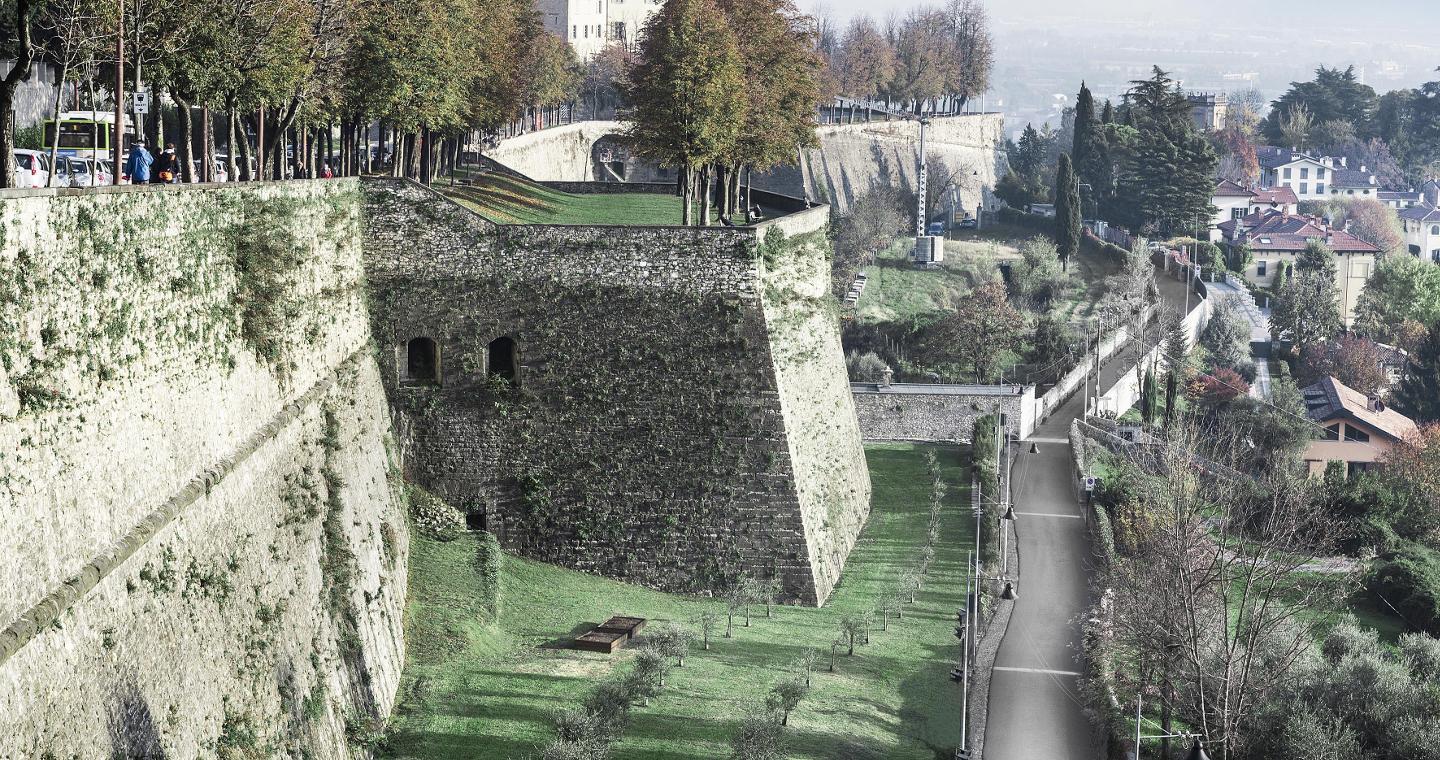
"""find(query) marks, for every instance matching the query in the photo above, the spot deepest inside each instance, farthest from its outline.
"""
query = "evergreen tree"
(687, 90)
(1028, 157)
(1306, 309)
(1317, 257)
(1149, 397)
(1419, 392)
(1067, 211)
(1107, 114)
(1167, 180)
(1087, 151)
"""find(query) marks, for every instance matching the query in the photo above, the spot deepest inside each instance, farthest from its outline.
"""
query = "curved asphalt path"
(1035, 710)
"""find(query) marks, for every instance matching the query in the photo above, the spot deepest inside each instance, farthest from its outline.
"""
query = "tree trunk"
(247, 154)
(687, 188)
(232, 168)
(25, 55)
(186, 152)
(705, 222)
(416, 146)
(55, 142)
(729, 624)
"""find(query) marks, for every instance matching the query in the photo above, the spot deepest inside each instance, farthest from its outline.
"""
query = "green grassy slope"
(511, 200)
(486, 691)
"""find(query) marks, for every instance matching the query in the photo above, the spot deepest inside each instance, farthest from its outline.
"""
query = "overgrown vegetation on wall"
(105, 288)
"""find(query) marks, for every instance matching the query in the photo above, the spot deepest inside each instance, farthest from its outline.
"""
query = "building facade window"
(1320, 188)
(1261, 267)
(1304, 173)
(1304, 188)
(1286, 175)
(1320, 173)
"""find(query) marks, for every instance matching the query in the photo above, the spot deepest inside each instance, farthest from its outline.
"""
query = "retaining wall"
(194, 475)
(918, 412)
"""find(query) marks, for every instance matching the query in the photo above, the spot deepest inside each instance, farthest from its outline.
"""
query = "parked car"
(62, 173)
(87, 172)
(31, 169)
(935, 228)
(969, 223)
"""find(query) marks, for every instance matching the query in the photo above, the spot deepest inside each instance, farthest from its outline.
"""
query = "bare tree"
(1206, 607)
(76, 29)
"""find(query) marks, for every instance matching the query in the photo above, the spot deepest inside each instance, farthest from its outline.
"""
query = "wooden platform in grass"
(506, 199)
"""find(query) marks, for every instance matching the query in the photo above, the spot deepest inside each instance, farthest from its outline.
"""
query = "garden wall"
(916, 412)
(202, 539)
(679, 415)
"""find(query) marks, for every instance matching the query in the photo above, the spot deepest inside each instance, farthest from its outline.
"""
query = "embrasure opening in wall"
(422, 362)
(502, 359)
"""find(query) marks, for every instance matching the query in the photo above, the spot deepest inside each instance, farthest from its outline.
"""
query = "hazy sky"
(1397, 14)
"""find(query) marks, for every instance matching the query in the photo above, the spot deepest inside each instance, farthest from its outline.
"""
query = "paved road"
(1035, 709)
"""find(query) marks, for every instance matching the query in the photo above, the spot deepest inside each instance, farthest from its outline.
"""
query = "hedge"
(1409, 579)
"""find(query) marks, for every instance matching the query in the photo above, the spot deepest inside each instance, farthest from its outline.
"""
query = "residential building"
(1422, 231)
(1400, 199)
(1233, 201)
(1274, 199)
(1358, 429)
(1275, 237)
(1307, 175)
(590, 25)
(1208, 109)
(1353, 183)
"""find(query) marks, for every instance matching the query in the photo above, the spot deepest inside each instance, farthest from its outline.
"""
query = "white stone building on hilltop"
(590, 25)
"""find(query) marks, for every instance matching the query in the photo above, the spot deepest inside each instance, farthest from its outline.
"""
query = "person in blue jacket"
(137, 166)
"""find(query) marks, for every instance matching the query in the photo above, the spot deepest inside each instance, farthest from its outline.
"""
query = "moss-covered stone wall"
(680, 415)
(203, 546)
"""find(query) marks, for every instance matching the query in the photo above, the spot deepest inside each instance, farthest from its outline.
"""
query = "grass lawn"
(510, 200)
(896, 291)
(486, 691)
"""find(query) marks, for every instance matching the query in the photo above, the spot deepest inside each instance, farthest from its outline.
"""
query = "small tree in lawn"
(737, 599)
(785, 697)
(887, 608)
(648, 675)
(707, 621)
(910, 585)
(806, 662)
(770, 590)
(758, 737)
(752, 592)
(834, 647)
(672, 641)
(852, 627)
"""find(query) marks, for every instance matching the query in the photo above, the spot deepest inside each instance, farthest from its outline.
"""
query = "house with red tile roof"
(1276, 237)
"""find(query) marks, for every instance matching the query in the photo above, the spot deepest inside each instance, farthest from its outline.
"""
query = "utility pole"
(117, 151)
(921, 184)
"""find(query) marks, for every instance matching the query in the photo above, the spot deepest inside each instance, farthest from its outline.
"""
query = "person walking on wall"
(137, 166)
(166, 168)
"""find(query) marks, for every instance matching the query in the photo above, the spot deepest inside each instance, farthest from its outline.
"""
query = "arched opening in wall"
(501, 359)
(422, 362)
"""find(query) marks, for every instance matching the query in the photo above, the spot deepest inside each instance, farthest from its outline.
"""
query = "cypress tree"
(1419, 393)
(1088, 149)
(1149, 397)
(1067, 211)
(1107, 114)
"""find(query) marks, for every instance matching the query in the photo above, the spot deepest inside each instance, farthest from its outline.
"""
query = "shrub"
(865, 368)
(758, 737)
(487, 563)
(1409, 579)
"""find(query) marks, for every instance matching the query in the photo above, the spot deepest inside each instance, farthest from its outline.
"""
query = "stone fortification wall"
(852, 158)
(939, 412)
(202, 539)
(561, 154)
(662, 426)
